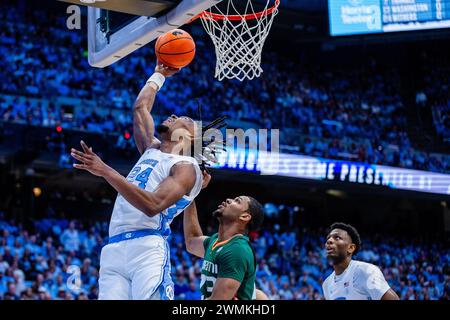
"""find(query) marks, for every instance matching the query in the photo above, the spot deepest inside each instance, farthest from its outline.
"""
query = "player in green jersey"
(229, 266)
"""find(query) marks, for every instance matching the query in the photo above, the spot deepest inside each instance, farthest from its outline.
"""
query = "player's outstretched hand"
(89, 160)
(164, 70)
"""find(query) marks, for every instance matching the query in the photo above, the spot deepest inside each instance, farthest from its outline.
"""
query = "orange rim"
(237, 17)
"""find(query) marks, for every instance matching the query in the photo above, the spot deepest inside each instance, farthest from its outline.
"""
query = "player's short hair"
(352, 232)
(256, 210)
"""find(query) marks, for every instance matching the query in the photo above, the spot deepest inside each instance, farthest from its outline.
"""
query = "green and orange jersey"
(233, 258)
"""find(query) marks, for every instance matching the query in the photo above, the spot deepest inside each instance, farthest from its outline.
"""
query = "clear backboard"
(110, 39)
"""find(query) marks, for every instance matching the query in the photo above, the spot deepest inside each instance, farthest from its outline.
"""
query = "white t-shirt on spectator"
(70, 240)
(3, 266)
(20, 283)
(264, 285)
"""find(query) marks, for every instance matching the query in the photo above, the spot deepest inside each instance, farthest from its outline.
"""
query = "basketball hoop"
(238, 36)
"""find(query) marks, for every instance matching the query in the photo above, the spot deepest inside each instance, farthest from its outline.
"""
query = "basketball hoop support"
(105, 50)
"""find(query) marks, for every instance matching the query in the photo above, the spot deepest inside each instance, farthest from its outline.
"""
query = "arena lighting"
(59, 129)
(37, 191)
(321, 169)
(336, 193)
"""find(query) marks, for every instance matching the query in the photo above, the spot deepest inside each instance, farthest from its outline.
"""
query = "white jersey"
(152, 168)
(360, 281)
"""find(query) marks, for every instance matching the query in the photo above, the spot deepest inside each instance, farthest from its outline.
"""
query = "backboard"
(110, 41)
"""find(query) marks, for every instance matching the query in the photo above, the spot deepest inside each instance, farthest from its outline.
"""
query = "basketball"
(175, 48)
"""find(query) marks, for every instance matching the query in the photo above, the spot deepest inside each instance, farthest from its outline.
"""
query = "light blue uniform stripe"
(180, 205)
(161, 272)
(166, 287)
(134, 234)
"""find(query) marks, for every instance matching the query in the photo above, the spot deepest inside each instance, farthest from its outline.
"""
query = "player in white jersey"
(136, 264)
(351, 279)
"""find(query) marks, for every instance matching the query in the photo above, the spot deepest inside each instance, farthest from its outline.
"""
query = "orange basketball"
(175, 48)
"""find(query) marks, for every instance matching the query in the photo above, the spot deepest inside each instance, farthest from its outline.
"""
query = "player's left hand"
(89, 160)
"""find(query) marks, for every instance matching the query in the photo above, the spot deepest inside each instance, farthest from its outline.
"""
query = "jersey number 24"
(142, 177)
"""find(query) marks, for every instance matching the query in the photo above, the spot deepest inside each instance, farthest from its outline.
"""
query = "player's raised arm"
(179, 183)
(143, 124)
(193, 235)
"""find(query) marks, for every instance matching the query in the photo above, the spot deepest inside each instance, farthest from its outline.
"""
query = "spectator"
(290, 266)
(70, 238)
(194, 292)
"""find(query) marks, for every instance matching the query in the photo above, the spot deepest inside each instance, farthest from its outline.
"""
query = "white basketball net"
(239, 37)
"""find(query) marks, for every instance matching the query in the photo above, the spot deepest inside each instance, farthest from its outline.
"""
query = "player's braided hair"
(209, 149)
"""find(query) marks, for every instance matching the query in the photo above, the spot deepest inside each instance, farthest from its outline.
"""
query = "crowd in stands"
(437, 95)
(442, 121)
(355, 114)
(58, 258)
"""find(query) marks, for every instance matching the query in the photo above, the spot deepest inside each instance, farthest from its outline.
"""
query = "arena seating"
(45, 259)
(355, 114)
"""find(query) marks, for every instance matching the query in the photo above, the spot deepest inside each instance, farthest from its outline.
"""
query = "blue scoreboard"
(351, 17)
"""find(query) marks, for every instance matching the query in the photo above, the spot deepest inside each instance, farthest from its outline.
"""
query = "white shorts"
(136, 269)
